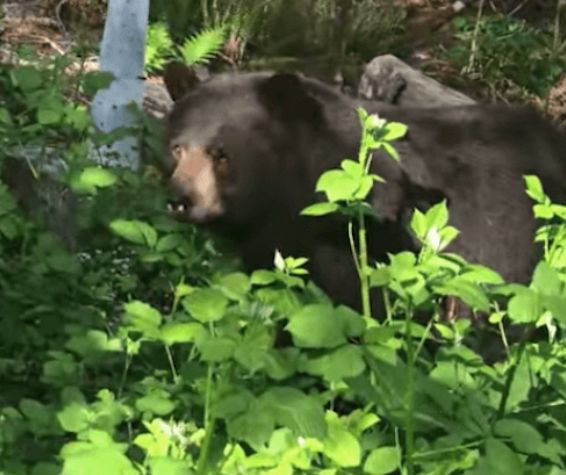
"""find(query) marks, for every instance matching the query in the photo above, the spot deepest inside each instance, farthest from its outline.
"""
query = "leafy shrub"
(146, 350)
(509, 54)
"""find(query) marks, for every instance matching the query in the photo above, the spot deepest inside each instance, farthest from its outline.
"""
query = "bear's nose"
(180, 202)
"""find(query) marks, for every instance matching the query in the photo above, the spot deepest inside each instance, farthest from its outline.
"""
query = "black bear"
(248, 148)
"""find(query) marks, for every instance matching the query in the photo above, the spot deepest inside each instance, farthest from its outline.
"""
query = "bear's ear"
(285, 96)
(179, 79)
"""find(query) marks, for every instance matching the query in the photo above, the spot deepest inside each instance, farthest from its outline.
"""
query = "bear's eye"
(218, 156)
(176, 151)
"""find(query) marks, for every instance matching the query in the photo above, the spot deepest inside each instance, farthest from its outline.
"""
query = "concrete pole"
(122, 54)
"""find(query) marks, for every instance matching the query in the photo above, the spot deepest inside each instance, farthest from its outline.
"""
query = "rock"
(386, 78)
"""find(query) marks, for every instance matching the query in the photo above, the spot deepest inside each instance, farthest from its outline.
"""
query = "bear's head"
(235, 143)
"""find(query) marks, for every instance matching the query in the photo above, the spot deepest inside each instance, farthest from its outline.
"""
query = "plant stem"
(474, 45)
(171, 363)
(409, 393)
(127, 362)
(204, 9)
(388, 306)
(364, 279)
(208, 425)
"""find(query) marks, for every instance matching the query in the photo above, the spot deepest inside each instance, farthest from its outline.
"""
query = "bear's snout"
(195, 185)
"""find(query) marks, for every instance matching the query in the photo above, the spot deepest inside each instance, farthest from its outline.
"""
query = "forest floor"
(52, 27)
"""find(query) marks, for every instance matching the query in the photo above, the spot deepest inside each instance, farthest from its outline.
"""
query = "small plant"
(507, 54)
(200, 48)
(159, 47)
(347, 189)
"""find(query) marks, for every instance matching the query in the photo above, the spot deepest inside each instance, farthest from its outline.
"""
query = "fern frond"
(158, 46)
(200, 48)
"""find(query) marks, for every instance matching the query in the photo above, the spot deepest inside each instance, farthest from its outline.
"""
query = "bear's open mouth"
(178, 207)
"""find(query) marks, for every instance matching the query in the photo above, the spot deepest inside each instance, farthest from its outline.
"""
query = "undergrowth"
(141, 348)
(511, 58)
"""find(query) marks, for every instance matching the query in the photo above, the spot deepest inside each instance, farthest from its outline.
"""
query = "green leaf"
(41, 419)
(292, 409)
(75, 417)
(352, 168)
(317, 326)
(78, 117)
(206, 305)
(481, 275)
(95, 81)
(544, 211)
(263, 277)
(26, 78)
(523, 436)
(48, 116)
(169, 466)
(254, 426)
(501, 459)
(143, 318)
(393, 131)
(280, 364)
(99, 454)
(559, 211)
(344, 362)
(380, 277)
(437, 215)
(216, 349)
(135, 231)
(365, 185)
(418, 224)
(391, 151)
(235, 286)
(46, 468)
(5, 117)
(170, 242)
(92, 178)
(320, 209)
(546, 280)
(173, 333)
(338, 185)
(157, 402)
(469, 292)
(534, 188)
(340, 445)
(383, 460)
(521, 385)
(252, 351)
(525, 307)
(93, 344)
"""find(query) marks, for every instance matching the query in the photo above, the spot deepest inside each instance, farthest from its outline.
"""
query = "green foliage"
(508, 54)
(296, 28)
(144, 349)
(158, 47)
(201, 47)
(301, 28)
(194, 50)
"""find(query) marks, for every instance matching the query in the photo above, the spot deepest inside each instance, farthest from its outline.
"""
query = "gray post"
(122, 54)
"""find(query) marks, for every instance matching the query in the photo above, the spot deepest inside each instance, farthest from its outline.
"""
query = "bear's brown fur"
(248, 148)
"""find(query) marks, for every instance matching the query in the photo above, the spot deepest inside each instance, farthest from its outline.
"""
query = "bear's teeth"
(181, 208)
(169, 207)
